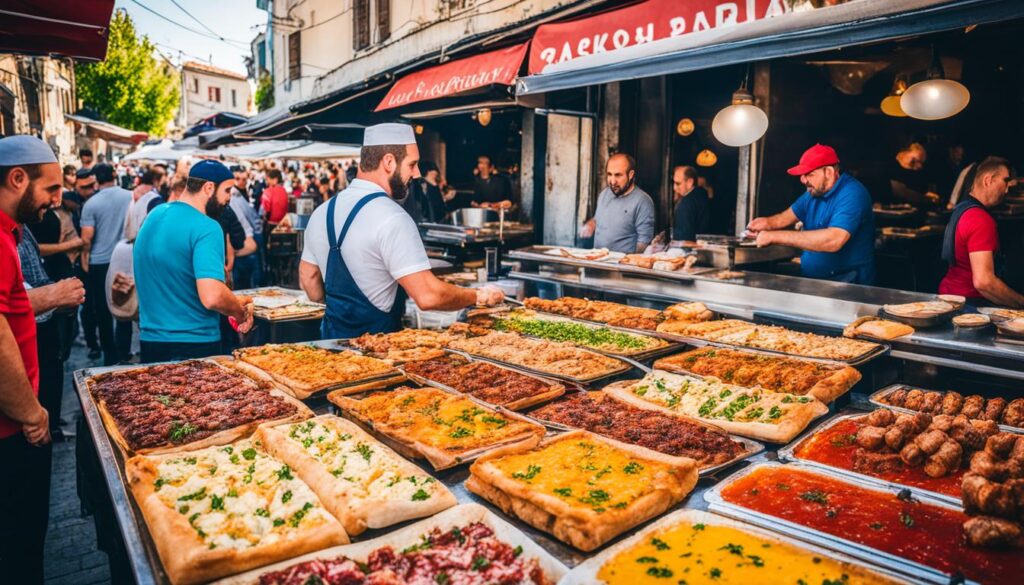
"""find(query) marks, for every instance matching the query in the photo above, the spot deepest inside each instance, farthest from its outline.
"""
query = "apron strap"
(336, 240)
(949, 237)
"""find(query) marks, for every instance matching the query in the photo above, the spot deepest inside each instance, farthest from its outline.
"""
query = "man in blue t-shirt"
(838, 238)
(179, 271)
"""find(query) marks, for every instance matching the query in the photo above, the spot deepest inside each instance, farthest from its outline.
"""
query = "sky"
(234, 20)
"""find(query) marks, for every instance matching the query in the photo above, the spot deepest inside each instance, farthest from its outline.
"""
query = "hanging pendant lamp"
(741, 123)
(891, 103)
(935, 98)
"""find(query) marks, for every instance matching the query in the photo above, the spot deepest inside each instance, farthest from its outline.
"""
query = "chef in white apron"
(362, 253)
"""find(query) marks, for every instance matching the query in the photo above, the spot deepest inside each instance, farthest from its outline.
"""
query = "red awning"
(640, 23)
(76, 29)
(494, 68)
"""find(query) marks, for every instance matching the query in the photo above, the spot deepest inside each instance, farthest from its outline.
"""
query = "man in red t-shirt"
(30, 183)
(972, 271)
(275, 198)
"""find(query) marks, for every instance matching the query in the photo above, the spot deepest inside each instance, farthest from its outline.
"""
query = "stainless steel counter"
(816, 304)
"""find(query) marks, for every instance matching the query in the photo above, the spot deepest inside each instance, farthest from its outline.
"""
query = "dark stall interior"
(465, 138)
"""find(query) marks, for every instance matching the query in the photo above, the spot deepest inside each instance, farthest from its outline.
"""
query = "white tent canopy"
(165, 150)
(319, 151)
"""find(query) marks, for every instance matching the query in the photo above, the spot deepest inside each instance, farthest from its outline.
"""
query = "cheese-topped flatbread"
(221, 510)
(583, 488)
(749, 412)
(362, 482)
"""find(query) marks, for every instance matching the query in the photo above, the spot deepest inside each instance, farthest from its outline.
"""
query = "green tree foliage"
(130, 88)
(265, 92)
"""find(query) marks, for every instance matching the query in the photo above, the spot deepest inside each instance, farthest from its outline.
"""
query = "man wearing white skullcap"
(362, 253)
(30, 183)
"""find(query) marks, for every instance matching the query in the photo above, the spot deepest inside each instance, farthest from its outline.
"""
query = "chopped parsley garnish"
(647, 560)
(698, 527)
(531, 472)
(660, 544)
(595, 497)
(180, 430)
(249, 454)
(708, 407)
(278, 521)
(844, 440)
(364, 450)
(774, 413)
(660, 572)
(285, 473)
(480, 563)
(216, 502)
(494, 420)
(518, 550)
(715, 573)
(194, 496)
(159, 483)
(286, 496)
(906, 519)
(816, 496)
(460, 433)
(633, 467)
(578, 333)
(734, 549)
(262, 512)
(563, 491)
(420, 495)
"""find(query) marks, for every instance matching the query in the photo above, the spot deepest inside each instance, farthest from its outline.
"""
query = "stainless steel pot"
(473, 216)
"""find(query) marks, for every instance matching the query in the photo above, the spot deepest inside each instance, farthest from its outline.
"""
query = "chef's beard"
(28, 211)
(214, 208)
(399, 188)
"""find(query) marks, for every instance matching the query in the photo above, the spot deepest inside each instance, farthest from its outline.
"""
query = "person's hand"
(68, 293)
(122, 283)
(764, 239)
(758, 224)
(75, 243)
(489, 296)
(506, 204)
(246, 324)
(588, 229)
(37, 429)
(475, 204)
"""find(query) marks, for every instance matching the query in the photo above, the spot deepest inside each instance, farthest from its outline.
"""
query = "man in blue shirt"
(838, 238)
(179, 271)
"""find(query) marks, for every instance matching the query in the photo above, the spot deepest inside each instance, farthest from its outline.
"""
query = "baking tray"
(870, 555)
(750, 446)
(578, 381)
(411, 535)
(586, 572)
(788, 453)
(671, 346)
(316, 310)
(537, 254)
(394, 373)
(424, 381)
(876, 399)
(411, 454)
(880, 350)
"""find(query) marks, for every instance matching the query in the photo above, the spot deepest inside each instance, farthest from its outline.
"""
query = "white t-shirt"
(383, 244)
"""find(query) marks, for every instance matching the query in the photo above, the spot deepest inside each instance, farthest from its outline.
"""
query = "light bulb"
(484, 116)
(706, 158)
(935, 99)
(739, 124)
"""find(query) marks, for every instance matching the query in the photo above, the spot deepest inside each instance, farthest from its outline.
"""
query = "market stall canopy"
(319, 151)
(768, 35)
(107, 131)
(290, 149)
(217, 121)
(76, 29)
(458, 77)
(165, 150)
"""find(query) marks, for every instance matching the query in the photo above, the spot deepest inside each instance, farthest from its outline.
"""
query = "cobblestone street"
(72, 557)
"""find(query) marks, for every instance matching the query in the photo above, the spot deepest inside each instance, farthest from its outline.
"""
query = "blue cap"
(24, 150)
(210, 170)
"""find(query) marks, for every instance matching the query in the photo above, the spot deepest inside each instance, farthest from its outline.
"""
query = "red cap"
(815, 157)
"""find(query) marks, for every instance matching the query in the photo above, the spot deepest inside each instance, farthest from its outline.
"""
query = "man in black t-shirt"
(907, 179)
(692, 214)
(491, 188)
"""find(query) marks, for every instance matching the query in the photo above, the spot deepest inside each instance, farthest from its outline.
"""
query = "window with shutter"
(295, 55)
(213, 94)
(361, 24)
(383, 19)
(234, 98)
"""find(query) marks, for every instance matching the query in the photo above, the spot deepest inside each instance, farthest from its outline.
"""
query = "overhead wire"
(191, 30)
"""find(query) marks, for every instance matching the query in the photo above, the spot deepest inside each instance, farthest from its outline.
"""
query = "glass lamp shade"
(739, 124)
(935, 99)
(484, 116)
(891, 107)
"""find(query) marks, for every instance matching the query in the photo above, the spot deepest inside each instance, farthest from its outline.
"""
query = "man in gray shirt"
(624, 220)
(102, 227)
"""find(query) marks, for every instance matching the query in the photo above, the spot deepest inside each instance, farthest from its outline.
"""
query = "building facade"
(207, 90)
(35, 95)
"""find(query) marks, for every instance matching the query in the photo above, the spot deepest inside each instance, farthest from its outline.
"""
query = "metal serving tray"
(929, 322)
(671, 346)
(537, 254)
(579, 381)
(880, 350)
(876, 399)
(331, 345)
(424, 381)
(788, 453)
(750, 446)
(871, 555)
(586, 572)
(315, 310)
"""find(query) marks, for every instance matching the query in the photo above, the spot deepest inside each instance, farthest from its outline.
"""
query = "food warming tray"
(876, 399)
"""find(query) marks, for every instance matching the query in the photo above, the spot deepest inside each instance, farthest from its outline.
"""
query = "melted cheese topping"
(700, 553)
(714, 400)
(584, 473)
(367, 470)
(237, 496)
(442, 420)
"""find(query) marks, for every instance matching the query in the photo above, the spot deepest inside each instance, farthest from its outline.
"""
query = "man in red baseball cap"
(838, 235)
